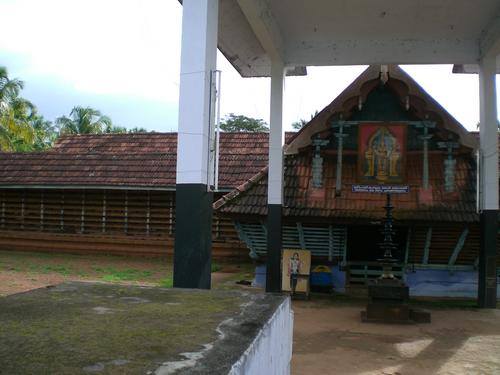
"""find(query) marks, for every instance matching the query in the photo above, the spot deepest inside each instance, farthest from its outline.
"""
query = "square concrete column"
(275, 179)
(193, 235)
(487, 293)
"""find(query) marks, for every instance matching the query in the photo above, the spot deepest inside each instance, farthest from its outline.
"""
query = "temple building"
(113, 193)
(383, 134)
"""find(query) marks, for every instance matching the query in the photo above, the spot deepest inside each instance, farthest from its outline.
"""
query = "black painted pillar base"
(487, 283)
(193, 236)
(273, 269)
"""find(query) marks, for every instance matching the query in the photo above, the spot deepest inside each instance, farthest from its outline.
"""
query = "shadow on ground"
(329, 338)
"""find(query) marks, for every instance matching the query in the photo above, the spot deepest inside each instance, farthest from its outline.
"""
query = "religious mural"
(381, 153)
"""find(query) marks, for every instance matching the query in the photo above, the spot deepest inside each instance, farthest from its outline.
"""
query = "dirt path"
(330, 339)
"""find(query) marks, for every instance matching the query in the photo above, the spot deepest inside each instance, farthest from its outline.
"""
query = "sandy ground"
(328, 335)
(330, 339)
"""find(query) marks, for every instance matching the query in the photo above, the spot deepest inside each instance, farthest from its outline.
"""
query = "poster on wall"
(382, 153)
(296, 266)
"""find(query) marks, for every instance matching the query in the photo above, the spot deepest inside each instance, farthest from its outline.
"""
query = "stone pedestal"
(389, 304)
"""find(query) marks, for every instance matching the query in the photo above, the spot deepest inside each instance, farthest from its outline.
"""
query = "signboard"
(381, 153)
(296, 264)
(382, 189)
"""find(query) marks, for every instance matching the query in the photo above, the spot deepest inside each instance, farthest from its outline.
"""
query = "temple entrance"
(363, 243)
(363, 253)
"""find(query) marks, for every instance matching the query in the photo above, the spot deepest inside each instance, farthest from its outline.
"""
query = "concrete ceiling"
(470, 68)
(344, 32)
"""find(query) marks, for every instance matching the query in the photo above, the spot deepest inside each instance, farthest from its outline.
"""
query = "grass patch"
(215, 267)
(166, 283)
(125, 275)
(57, 331)
(60, 269)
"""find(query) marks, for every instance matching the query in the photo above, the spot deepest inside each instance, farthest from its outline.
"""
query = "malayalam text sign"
(381, 189)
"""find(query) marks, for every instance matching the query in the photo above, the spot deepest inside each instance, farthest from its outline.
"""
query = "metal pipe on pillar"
(194, 198)
(275, 179)
(488, 169)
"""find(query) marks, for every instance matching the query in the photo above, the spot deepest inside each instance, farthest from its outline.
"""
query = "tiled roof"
(300, 199)
(420, 103)
(141, 160)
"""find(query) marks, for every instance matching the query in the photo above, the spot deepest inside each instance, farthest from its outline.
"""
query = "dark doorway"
(363, 243)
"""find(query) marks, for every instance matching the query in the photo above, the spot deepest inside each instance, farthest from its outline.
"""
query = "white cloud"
(131, 48)
(126, 47)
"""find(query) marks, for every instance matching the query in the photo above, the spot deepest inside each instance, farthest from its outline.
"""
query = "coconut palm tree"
(45, 133)
(83, 120)
(15, 114)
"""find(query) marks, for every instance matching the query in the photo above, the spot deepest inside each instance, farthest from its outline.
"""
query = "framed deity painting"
(382, 153)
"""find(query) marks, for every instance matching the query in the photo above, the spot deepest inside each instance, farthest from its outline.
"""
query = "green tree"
(84, 120)
(16, 132)
(297, 125)
(114, 129)
(240, 123)
(45, 133)
(138, 129)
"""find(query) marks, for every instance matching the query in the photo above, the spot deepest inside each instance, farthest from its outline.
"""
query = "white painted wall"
(271, 351)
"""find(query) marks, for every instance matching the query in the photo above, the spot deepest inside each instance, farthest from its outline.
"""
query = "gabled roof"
(420, 103)
(145, 160)
(301, 199)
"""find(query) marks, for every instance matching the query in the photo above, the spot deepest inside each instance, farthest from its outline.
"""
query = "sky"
(123, 58)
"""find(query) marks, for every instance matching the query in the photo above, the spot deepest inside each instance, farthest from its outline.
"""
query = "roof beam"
(264, 26)
(390, 50)
(489, 41)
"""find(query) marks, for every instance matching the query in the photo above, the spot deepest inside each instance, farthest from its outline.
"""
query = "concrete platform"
(94, 328)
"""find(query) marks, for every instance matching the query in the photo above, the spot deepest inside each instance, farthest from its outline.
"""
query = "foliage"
(297, 125)
(215, 267)
(16, 113)
(23, 129)
(115, 129)
(83, 120)
(87, 120)
(240, 123)
(138, 129)
(45, 133)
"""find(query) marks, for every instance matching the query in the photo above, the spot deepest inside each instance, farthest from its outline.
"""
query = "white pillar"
(192, 254)
(276, 136)
(275, 180)
(198, 61)
(488, 134)
(487, 282)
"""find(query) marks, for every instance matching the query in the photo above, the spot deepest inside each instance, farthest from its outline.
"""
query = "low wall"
(443, 283)
(78, 243)
(271, 351)
(422, 282)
